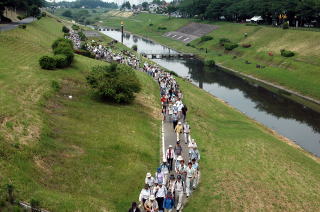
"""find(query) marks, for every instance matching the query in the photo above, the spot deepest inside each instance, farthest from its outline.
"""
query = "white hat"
(152, 197)
(170, 146)
(148, 174)
(179, 122)
(164, 160)
(180, 157)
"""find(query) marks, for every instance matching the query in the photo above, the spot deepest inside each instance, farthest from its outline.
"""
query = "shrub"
(39, 17)
(19, 17)
(61, 61)
(22, 26)
(47, 62)
(62, 42)
(55, 85)
(150, 24)
(210, 62)
(116, 83)
(84, 52)
(43, 14)
(188, 44)
(162, 28)
(285, 25)
(67, 13)
(75, 27)
(230, 46)
(246, 45)
(82, 36)
(68, 52)
(223, 41)
(286, 53)
(205, 38)
(65, 29)
(134, 47)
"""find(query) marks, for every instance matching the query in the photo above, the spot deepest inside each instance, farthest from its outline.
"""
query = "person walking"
(159, 176)
(181, 169)
(165, 170)
(168, 202)
(151, 205)
(186, 132)
(178, 153)
(171, 182)
(195, 154)
(170, 155)
(144, 194)
(195, 165)
(134, 207)
(160, 193)
(190, 174)
(149, 180)
(175, 119)
(184, 112)
(191, 145)
(178, 190)
(178, 129)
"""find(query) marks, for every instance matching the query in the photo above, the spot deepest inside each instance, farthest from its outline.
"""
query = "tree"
(116, 83)
(67, 13)
(126, 5)
(34, 11)
(171, 9)
(145, 5)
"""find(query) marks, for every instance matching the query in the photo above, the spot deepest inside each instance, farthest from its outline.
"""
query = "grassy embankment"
(300, 73)
(76, 154)
(244, 166)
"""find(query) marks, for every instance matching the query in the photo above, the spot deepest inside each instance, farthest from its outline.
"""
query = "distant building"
(153, 7)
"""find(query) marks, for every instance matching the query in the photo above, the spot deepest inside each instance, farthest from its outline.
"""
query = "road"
(14, 25)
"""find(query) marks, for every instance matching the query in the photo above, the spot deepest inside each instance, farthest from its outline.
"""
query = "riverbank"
(300, 73)
(70, 154)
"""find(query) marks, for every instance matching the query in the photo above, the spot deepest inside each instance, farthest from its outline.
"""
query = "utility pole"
(121, 31)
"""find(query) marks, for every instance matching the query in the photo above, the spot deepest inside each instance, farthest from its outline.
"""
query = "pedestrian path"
(165, 185)
(14, 25)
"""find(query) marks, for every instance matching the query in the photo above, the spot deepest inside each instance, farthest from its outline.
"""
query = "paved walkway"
(14, 25)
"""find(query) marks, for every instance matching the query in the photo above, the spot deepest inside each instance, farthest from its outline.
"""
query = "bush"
(39, 17)
(223, 41)
(68, 52)
(65, 29)
(285, 25)
(134, 47)
(286, 53)
(47, 62)
(162, 28)
(230, 46)
(55, 85)
(62, 42)
(205, 38)
(82, 36)
(210, 62)
(61, 61)
(246, 45)
(67, 13)
(43, 14)
(19, 17)
(84, 52)
(150, 24)
(116, 83)
(188, 44)
(22, 26)
(75, 27)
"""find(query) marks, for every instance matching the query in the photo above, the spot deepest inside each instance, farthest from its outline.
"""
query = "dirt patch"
(190, 32)
(42, 165)
(73, 151)
(148, 102)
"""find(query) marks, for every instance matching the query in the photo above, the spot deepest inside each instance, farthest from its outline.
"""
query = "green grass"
(72, 155)
(244, 166)
(300, 73)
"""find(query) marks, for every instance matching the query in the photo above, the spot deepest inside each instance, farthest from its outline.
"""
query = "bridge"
(167, 55)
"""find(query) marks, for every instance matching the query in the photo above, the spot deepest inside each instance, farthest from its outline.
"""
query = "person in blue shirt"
(168, 203)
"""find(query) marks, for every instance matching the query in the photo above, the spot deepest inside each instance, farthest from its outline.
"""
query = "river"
(290, 119)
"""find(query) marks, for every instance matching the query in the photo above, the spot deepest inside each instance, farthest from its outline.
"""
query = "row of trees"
(272, 11)
(85, 3)
(30, 6)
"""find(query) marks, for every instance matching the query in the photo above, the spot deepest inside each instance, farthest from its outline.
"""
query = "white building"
(153, 8)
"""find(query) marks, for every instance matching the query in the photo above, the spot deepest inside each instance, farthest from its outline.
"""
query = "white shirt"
(149, 181)
(144, 194)
(161, 191)
(170, 155)
(190, 171)
(178, 186)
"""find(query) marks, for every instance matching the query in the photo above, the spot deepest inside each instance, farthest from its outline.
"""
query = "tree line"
(298, 12)
(30, 6)
(87, 4)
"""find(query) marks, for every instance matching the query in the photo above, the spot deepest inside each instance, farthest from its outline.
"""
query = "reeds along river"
(290, 119)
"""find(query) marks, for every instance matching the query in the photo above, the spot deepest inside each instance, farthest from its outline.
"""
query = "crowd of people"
(178, 175)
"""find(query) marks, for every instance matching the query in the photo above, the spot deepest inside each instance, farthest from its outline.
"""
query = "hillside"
(71, 155)
(300, 73)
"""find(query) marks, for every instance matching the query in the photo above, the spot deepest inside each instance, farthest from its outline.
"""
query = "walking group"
(178, 174)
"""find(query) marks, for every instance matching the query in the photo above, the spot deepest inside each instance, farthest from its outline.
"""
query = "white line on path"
(163, 144)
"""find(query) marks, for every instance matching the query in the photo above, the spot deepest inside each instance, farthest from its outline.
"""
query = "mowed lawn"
(300, 73)
(244, 167)
(76, 154)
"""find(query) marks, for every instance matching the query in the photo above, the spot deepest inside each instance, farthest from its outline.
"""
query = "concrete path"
(14, 25)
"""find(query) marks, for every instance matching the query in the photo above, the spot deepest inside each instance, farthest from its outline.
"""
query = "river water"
(290, 119)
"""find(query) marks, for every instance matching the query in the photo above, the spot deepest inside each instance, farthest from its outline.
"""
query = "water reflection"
(281, 114)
